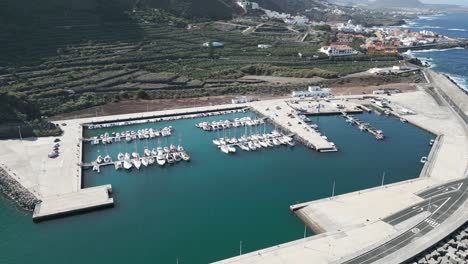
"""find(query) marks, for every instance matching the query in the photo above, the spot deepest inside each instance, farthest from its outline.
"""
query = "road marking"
(432, 222)
(379, 254)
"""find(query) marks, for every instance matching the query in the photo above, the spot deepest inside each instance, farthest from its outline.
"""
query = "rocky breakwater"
(453, 249)
(16, 192)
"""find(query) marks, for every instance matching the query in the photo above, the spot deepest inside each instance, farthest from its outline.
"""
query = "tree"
(142, 94)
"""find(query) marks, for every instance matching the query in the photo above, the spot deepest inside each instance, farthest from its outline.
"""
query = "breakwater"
(16, 192)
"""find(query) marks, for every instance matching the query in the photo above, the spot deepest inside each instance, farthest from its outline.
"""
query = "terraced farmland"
(73, 65)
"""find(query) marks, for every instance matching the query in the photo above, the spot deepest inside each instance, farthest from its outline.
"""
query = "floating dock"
(73, 203)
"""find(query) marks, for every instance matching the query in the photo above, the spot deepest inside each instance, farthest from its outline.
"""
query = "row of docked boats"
(129, 136)
(364, 126)
(253, 142)
(160, 119)
(224, 124)
(160, 156)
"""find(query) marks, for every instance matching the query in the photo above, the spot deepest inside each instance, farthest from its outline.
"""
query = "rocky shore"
(453, 249)
(16, 192)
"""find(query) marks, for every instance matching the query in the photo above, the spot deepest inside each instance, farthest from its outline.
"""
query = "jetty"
(364, 126)
(286, 117)
(74, 203)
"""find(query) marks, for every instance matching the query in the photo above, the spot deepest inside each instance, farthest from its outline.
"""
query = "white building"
(313, 91)
(214, 44)
(338, 50)
(264, 46)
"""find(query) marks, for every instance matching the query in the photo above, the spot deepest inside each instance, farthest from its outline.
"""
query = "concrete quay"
(279, 113)
(73, 203)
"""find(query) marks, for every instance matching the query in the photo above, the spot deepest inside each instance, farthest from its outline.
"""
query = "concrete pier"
(282, 115)
(73, 203)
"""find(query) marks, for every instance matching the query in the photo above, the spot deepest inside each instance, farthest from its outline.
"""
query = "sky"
(456, 2)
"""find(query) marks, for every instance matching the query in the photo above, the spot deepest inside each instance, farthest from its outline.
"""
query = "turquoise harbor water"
(198, 212)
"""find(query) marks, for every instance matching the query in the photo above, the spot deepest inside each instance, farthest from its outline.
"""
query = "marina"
(188, 188)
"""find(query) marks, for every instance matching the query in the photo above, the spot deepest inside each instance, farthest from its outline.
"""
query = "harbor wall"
(181, 113)
(12, 189)
(37, 219)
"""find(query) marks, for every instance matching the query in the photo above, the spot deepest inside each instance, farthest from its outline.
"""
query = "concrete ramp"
(73, 203)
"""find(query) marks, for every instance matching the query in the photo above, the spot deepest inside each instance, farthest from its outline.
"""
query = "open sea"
(199, 211)
(453, 62)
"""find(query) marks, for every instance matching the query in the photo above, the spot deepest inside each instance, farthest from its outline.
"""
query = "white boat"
(291, 143)
(170, 158)
(153, 152)
(403, 120)
(244, 147)
(135, 155)
(144, 161)
(276, 142)
(231, 149)
(147, 152)
(180, 148)
(177, 157)
(251, 145)
(423, 159)
(431, 142)
(137, 163)
(263, 143)
(151, 160)
(118, 165)
(167, 150)
(107, 159)
(121, 156)
(185, 156)
(99, 159)
(96, 168)
(128, 138)
(257, 145)
(225, 149)
(160, 159)
(127, 164)
(216, 142)
(173, 148)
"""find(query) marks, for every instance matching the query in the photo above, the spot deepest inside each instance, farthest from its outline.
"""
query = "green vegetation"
(265, 69)
(79, 61)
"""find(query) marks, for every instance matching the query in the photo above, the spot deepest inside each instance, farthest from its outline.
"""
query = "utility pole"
(333, 190)
(383, 178)
(19, 130)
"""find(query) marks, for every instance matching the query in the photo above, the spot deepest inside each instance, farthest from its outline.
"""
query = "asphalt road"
(440, 201)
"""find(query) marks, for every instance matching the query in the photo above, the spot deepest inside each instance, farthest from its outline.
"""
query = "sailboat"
(107, 159)
(145, 161)
(225, 149)
(160, 159)
(127, 162)
(118, 165)
(137, 162)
